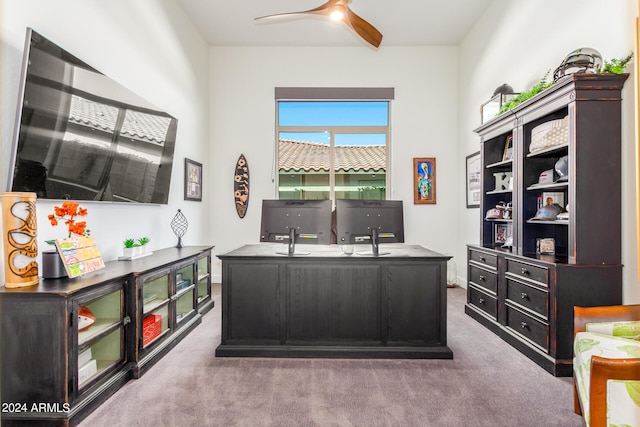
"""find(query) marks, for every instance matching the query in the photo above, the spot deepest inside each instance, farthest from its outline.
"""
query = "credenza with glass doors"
(68, 344)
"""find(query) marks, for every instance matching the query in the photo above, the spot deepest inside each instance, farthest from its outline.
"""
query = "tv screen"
(307, 221)
(82, 136)
(369, 222)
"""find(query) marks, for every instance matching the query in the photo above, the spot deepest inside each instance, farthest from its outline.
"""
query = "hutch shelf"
(519, 291)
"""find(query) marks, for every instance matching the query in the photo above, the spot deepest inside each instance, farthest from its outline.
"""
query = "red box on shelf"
(151, 328)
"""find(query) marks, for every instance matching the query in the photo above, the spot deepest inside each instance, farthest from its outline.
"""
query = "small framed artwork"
(552, 197)
(473, 180)
(503, 235)
(424, 180)
(192, 180)
(507, 153)
(546, 246)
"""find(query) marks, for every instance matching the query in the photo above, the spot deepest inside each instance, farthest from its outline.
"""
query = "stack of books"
(87, 366)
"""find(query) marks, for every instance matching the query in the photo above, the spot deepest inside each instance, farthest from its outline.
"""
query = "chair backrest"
(608, 313)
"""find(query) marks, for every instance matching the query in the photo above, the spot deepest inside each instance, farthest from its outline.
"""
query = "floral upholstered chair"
(606, 365)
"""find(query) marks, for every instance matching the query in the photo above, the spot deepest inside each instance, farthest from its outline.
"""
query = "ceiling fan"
(339, 10)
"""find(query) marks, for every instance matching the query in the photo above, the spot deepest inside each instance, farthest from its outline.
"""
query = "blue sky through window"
(332, 114)
(341, 139)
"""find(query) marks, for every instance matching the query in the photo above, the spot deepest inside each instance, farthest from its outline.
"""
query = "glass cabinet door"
(100, 326)
(204, 282)
(155, 294)
(185, 295)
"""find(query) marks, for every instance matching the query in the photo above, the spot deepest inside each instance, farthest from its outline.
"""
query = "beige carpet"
(488, 383)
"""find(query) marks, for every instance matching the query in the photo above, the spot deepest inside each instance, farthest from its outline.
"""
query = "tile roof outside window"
(311, 156)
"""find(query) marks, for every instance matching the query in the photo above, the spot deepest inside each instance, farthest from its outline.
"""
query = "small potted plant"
(128, 250)
(142, 242)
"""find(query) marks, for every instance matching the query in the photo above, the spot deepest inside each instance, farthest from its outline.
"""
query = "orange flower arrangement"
(67, 213)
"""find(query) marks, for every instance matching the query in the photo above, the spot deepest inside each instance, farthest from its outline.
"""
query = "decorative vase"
(452, 274)
(128, 252)
(52, 265)
(19, 236)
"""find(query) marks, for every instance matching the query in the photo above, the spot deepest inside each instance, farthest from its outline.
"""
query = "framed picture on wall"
(424, 180)
(192, 180)
(473, 180)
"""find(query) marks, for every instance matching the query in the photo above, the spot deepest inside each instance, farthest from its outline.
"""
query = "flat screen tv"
(296, 221)
(80, 135)
(369, 222)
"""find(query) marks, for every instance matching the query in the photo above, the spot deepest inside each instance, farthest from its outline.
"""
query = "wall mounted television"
(296, 221)
(369, 222)
(80, 135)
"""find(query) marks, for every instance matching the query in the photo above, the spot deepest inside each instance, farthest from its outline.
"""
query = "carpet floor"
(488, 383)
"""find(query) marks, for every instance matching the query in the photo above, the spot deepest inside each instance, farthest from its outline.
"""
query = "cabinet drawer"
(528, 271)
(528, 327)
(529, 297)
(484, 302)
(483, 258)
(484, 279)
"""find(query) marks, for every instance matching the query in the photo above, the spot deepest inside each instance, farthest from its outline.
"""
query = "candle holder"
(179, 225)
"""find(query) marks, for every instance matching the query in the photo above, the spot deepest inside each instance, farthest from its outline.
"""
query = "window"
(332, 148)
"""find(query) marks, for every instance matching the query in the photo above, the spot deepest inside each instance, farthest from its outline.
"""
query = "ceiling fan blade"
(324, 9)
(365, 30)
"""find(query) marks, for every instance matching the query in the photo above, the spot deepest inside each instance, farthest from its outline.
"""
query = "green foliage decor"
(523, 96)
(616, 66)
(133, 243)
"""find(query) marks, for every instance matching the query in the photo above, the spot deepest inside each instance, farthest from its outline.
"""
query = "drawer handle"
(481, 300)
(524, 271)
(482, 278)
(523, 325)
(524, 295)
(483, 259)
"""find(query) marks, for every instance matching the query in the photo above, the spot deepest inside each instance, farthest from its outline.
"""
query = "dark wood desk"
(329, 304)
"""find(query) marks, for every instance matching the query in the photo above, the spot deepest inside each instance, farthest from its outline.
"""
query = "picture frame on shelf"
(192, 180)
(553, 197)
(507, 153)
(424, 180)
(473, 180)
(545, 246)
(502, 234)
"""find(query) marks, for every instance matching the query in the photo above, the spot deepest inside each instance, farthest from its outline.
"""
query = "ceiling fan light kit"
(339, 10)
(337, 13)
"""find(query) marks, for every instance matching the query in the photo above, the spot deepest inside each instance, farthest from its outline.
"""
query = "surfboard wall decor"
(241, 186)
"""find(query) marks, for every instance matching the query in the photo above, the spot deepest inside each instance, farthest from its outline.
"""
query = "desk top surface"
(360, 252)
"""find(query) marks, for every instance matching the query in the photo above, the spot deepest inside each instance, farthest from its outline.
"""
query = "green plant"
(616, 66)
(129, 243)
(143, 241)
(523, 96)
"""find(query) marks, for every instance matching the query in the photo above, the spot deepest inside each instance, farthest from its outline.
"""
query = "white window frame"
(292, 94)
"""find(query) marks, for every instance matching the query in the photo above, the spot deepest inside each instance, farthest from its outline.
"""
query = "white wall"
(516, 42)
(424, 124)
(150, 47)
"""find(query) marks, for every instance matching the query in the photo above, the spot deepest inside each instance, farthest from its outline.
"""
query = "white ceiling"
(402, 22)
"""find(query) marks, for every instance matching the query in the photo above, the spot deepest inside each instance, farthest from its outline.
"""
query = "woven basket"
(549, 134)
